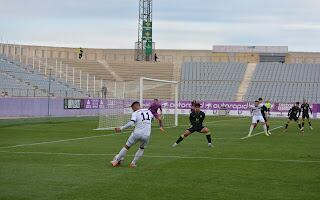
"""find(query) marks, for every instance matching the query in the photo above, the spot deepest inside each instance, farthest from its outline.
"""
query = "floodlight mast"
(144, 45)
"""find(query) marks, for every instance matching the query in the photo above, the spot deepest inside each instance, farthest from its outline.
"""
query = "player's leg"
(122, 153)
(309, 121)
(254, 123)
(158, 117)
(303, 120)
(287, 124)
(184, 135)
(265, 129)
(143, 142)
(206, 131)
(267, 124)
(299, 124)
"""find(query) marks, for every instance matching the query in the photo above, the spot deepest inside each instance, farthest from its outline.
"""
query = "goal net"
(115, 111)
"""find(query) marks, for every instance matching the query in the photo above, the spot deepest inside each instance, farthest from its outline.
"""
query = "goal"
(115, 112)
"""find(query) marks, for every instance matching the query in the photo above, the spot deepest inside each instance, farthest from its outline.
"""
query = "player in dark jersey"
(294, 114)
(154, 107)
(196, 119)
(305, 107)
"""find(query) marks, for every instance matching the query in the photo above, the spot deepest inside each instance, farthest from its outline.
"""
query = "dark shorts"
(195, 129)
(305, 116)
(295, 118)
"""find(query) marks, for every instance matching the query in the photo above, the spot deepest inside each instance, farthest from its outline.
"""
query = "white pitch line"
(75, 139)
(260, 133)
(57, 141)
(166, 156)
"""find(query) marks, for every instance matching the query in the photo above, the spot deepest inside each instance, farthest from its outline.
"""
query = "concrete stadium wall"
(165, 55)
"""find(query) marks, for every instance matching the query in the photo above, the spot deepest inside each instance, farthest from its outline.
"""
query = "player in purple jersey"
(154, 107)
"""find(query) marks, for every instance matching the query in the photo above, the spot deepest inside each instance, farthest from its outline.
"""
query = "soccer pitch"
(64, 158)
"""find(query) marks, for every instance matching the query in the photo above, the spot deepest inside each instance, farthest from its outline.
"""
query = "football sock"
(251, 129)
(287, 125)
(268, 127)
(179, 139)
(302, 124)
(121, 154)
(138, 155)
(299, 125)
(208, 135)
(265, 129)
(160, 123)
(309, 123)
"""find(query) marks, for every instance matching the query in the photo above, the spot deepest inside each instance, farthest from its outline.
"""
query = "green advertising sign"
(149, 48)
(147, 31)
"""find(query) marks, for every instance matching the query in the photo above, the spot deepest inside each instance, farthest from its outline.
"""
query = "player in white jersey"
(141, 119)
(257, 117)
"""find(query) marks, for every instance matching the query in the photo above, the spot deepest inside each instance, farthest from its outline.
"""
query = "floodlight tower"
(144, 46)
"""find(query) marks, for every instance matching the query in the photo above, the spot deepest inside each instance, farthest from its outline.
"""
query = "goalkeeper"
(154, 107)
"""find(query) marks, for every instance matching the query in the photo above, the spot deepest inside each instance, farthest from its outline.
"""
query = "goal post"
(115, 111)
(171, 95)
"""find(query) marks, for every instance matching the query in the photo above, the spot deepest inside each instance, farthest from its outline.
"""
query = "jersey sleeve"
(134, 117)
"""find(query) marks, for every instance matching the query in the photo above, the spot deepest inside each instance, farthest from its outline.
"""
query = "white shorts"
(134, 138)
(257, 118)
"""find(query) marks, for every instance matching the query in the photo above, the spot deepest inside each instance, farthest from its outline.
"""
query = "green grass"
(283, 166)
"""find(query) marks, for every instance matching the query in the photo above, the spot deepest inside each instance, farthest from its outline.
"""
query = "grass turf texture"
(282, 166)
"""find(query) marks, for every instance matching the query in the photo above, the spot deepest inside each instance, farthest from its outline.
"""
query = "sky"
(177, 24)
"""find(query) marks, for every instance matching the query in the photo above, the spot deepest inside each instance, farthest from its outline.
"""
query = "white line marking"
(75, 139)
(166, 156)
(57, 141)
(260, 133)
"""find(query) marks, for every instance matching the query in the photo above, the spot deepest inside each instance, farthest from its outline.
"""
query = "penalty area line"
(167, 156)
(260, 133)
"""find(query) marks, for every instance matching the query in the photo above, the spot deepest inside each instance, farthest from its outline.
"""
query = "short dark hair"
(197, 105)
(256, 101)
(156, 99)
(298, 102)
(260, 99)
(134, 103)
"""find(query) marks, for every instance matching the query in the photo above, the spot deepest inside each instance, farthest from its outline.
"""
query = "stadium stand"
(210, 81)
(285, 82)
(19, 80)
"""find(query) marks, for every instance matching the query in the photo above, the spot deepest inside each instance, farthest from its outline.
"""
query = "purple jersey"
(154, 108)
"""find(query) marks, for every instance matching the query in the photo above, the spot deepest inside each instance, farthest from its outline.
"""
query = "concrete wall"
(165, 55)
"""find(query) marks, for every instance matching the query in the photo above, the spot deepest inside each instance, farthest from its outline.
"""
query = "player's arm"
(310, 110)
(129, 124)
(191, 119)
(299, 112)
(202, 119)
(289, 112)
